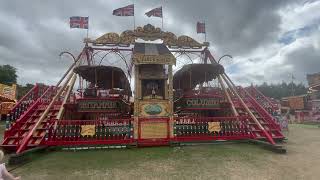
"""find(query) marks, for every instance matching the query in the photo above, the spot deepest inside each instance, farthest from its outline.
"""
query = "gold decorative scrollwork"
(188, 42)
(127, 37)
(109, 38)
(169, 39)
(147, 33)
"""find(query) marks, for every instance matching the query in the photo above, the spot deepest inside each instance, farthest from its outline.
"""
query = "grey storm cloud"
(34, 32)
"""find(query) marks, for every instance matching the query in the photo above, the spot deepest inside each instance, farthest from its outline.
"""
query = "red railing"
(16, 124)
(198, 128)
(70, 132)
(26, 101)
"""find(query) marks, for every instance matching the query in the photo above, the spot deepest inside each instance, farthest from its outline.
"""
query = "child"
(4, 174)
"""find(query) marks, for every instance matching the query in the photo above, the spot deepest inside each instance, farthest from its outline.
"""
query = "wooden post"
(70, 87)
(170, 95)
(136, 102)
(228, 97)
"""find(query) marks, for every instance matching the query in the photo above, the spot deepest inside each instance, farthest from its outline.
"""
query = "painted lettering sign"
(202, 103)
(97, 105)
(152, 59)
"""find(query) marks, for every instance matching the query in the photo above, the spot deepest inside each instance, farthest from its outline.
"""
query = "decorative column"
(136, 102)
(170, 95)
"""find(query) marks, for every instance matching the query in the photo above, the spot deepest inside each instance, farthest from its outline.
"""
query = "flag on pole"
(79, 22)
(156, 12)
(201, 27)
(124, 11)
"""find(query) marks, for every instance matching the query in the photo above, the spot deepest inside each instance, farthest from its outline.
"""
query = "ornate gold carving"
(186, 41)
(214, 126)
(147, 33)
(88, 130)
(109, 38)
(127, 37)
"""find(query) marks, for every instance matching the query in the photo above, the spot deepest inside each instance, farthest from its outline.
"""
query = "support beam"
(234, 111)
(69, 90)
(26, 139)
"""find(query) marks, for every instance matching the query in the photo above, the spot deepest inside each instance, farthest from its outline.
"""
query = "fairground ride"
(196, 103)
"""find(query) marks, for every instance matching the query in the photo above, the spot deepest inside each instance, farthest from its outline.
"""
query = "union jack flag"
(79, 22)
(124, 11)
(157, 12)
(201, 27)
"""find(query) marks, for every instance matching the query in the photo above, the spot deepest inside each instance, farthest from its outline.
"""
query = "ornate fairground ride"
(195, 103)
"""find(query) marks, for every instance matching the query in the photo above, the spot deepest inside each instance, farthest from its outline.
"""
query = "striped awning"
(148, 53)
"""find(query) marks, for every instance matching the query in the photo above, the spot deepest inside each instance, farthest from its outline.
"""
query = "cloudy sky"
(269, 40)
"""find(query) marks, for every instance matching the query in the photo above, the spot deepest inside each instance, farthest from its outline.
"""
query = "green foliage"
(284, 89)
(22, 90)
(8, 75)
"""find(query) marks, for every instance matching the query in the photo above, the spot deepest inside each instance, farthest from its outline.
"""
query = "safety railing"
(211, 128)
(90, 132)
(25, 102)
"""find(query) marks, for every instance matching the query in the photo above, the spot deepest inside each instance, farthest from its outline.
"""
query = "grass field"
(228, 161)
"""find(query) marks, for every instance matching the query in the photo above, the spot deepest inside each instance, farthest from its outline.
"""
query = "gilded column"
(170, 94)
(136, 101)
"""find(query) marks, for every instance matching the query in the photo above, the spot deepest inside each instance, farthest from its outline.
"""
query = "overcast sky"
(268, 39)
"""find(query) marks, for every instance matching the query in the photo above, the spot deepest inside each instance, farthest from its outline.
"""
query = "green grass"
(219, 161)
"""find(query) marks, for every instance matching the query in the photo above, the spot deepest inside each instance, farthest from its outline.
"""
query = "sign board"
(153, 130)
(201, 103)
(8, 91)
(313, 79)
(154, 108)
(97, 105)
(88, 130)
(214, 126)
(139, 58)
(296, 102)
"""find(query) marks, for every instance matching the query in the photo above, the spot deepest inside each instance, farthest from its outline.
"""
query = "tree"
(8, 75)
(22, 90)
(279, 91)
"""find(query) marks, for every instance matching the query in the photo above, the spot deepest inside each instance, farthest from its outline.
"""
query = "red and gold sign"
(154, 59)
(154, 108)
(214, 126)
(153, 130)
(88, 130)
(296, 102)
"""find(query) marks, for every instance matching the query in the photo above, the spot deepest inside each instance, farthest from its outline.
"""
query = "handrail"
(23, 98)
(258, 107)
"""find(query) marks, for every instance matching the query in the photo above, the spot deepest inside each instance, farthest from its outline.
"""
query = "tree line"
(8, 76)
(283, 89)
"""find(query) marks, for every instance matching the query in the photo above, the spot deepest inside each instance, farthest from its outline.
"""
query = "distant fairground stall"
(171, 102)
(304, 108)
(7, 99)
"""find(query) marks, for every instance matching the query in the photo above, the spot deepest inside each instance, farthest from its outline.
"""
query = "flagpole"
(88, 29)
(205, 31)
(134, 18)
(162, 14)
